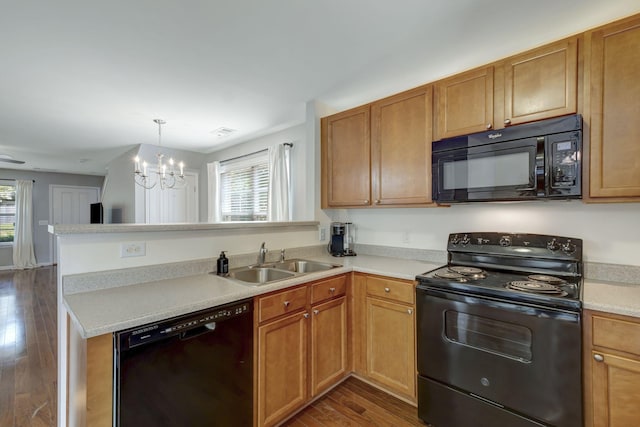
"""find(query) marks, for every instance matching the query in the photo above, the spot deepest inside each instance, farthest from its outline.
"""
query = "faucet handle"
(282, 255)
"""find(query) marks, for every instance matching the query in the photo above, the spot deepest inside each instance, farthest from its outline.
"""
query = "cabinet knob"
(489, 126)
(306, 315)
(507, 121)
(409, 311)
(387, 290)
(316, 312)
(598, 357)
(332, 290)
(366, 202)
(377, 202)
(286, 303)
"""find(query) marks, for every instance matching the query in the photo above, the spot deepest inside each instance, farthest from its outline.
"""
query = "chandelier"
(164, 174)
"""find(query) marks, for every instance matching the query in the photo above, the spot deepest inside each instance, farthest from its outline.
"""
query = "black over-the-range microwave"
(538, 160)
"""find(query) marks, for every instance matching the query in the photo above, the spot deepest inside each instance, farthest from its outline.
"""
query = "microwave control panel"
(565, 163)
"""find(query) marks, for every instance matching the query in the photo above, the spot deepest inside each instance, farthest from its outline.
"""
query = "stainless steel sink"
(267, 273)
(304, 266)
(259, 275)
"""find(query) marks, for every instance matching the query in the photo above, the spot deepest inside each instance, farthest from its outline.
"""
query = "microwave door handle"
(542, 165)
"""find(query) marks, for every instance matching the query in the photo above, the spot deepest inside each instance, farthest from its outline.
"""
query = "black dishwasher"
(192, 370)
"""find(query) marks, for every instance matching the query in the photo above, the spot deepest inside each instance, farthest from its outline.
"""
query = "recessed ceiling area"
(81, 82)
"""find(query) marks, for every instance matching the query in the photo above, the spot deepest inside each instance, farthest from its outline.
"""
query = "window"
(244, 188)
(7, 212)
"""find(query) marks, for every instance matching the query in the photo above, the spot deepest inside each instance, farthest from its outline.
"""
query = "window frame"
(258, 159)
(9, 215)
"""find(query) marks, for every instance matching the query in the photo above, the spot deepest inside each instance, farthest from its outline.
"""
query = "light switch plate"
(133, 249)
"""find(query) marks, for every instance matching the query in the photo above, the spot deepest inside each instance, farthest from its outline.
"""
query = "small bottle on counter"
(222, 265)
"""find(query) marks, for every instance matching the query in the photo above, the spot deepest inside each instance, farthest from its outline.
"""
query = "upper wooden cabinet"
(464, 103)
(379, 154)
(534, 85)
(401, 148)
(541, 83)
(346, 158)
(612, 99)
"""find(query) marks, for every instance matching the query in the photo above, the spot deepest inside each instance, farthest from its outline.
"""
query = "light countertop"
(104, 311)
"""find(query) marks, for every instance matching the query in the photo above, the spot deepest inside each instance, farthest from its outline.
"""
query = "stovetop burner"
(535, 287)
(546, 279)
(448, 274)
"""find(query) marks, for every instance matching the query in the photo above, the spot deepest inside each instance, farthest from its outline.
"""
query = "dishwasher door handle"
(196, 332)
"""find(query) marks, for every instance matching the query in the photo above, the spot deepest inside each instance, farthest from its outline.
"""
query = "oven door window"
(505, 339)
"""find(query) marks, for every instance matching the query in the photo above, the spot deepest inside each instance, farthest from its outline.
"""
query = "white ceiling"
(81, 80)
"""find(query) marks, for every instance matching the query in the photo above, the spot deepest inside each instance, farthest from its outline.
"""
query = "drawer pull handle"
(598, 357)
(332, 290)
(286, 303)
(316, 312)
(387, 290)
(306, 315)
(409, 311)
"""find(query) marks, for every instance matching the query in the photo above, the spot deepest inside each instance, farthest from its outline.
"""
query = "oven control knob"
(505, 241)
(568, 248)
(455, 239)
(465, 240)
(553, 245)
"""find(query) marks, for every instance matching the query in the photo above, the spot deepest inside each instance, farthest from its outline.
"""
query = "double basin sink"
(267, 273)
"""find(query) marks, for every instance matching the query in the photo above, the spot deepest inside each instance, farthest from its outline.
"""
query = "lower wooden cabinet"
(301, 346)
(328, 344)
(384, 333)
(282, 367)
(611, 370)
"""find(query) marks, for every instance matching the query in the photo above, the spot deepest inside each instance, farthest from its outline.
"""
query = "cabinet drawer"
(281, 303)
(616, 334)
(329, 288)
(391, 289)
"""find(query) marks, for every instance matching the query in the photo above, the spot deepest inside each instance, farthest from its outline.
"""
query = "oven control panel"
(517, 244)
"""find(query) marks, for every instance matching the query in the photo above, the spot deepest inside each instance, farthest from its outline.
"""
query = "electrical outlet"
(322, 234)
(133, 249)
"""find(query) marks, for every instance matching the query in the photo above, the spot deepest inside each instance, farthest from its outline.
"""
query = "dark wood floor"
(28, 348)
(28, 367)
(355, 403)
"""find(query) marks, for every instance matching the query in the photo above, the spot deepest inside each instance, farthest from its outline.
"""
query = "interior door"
(175, 205)
(70, 205)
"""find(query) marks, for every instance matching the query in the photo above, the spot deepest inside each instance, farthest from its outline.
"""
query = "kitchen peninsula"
(100, 292)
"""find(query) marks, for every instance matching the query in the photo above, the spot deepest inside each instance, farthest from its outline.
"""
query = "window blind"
(244, 188)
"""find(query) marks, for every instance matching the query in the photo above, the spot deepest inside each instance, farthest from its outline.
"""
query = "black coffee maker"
(341, 243)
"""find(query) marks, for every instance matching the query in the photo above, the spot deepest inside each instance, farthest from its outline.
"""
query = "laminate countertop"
(100, 311)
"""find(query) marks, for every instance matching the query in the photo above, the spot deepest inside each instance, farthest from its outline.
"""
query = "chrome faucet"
(261, 254)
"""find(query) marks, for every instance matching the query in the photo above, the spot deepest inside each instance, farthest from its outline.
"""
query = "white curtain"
(213, 173)
(23, 256)
(279, 183)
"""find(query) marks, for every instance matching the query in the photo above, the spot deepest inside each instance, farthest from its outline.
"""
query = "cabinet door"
(346, 151)
(391, 346)
(464, 103)
(328, 344)
(612, 73)
(616, 390)
(401, 148)
(282, 368)
(541, 83)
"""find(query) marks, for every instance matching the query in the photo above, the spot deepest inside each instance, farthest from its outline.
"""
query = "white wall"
(118, 198)
(611, 232)
(41, 208)
(101, 252)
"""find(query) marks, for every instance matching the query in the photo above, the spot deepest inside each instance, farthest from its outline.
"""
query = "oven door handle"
(511, 306)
